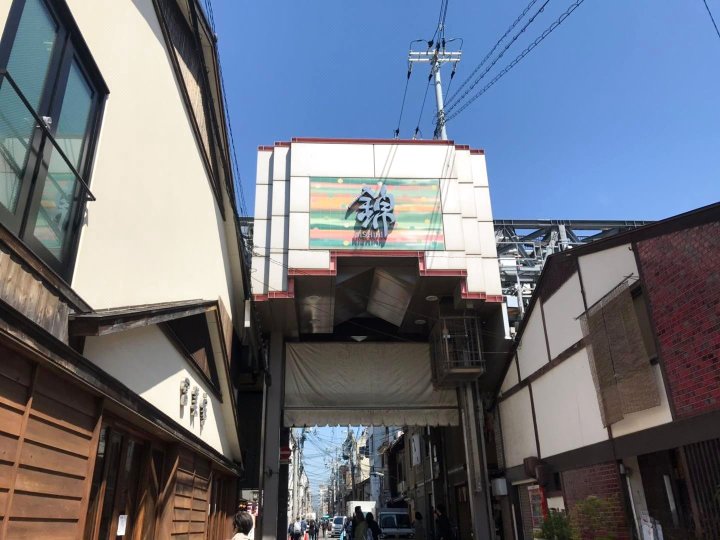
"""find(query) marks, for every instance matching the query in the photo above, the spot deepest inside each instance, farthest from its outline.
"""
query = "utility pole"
(436, 58)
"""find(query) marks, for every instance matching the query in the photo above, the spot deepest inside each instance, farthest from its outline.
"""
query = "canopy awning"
(364, 384)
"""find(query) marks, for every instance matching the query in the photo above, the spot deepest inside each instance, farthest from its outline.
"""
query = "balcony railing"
(47, 136)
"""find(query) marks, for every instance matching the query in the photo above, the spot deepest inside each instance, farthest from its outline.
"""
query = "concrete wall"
(604, 270)
(561, 311)
(566, 407)
(147, 362)
(517, 428)
(282, 208)
(532, 349)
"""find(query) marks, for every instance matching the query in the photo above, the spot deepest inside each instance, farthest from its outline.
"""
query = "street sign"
(285, 455)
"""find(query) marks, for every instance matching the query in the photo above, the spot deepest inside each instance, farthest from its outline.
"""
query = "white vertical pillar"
(439, 100)
(478, 488)
(271, 514)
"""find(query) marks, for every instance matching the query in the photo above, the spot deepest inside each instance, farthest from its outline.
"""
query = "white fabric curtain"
(364, 384)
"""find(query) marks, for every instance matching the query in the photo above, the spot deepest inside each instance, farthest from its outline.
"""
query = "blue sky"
(616, 115)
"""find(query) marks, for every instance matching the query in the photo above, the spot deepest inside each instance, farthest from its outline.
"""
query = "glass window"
(29, 64)
(50, 99)
(52, 223)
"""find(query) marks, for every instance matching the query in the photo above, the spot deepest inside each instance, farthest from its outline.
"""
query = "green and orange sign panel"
(372, 213)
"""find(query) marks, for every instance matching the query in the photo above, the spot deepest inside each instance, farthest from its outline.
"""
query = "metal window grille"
(457, 350)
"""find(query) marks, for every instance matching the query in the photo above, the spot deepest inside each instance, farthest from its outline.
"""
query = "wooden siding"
(21, 290)
(48, 440)
(192, 495)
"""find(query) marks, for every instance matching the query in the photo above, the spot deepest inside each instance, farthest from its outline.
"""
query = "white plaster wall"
(465, 199)
(145, 361)
(4, 10)
(155, 233)
(566, 407)
(511, 377)
(532, 351)
(648, 418)
(414, 160)
(636, 486)
(604, 270)
(319, 159)
(478, 166)
(264, 165)
(562, 310)
(517, 428)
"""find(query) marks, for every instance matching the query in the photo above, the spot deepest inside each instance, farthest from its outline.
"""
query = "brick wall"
(602, 481)
(681, 272)
(525, 513)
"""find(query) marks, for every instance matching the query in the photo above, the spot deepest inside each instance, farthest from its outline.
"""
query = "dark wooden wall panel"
(192, 493)
(47, 450)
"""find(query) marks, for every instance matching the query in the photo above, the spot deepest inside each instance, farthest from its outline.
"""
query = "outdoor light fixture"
(203, 410)
(184, 386)
(194, 401)
(420, 321)
(359, 338)
(431, 298)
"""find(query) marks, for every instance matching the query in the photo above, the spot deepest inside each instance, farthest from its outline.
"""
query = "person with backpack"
(360, 527)
(296, 529)
(442, 522)
(373, 526)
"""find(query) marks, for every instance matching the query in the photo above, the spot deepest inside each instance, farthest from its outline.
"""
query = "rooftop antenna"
(436, 57)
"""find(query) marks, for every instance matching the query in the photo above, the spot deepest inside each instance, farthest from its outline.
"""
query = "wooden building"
(129, 365)
(611, 395)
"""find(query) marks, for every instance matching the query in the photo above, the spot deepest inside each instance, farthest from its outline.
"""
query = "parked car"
(395, 523)
(336, 527)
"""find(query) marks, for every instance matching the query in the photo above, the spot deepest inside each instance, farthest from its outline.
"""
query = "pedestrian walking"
(295, 529)
(373, 526)
(442, 522)
(324, 527)
(360, 527)
(243, 524)
(348, 528)
(312, 529)
(419, 527)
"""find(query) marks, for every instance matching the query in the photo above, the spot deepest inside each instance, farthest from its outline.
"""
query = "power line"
(497, 58)
(517, 59)
(712, 18)
(488, 55)
(417, 127)
(402, 106)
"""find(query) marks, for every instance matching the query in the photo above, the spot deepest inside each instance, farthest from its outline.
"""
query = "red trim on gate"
(371, 141)
(260, 297)
(265, 148)
(426, 272)
(477, 152)
(462, 147)
(465, 295)
(284, 144)
(290, 293)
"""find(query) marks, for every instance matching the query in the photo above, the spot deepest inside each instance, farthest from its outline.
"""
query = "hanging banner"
(372, 213)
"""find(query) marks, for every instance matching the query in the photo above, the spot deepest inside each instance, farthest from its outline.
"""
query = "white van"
(336, 526)
(395, 523)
